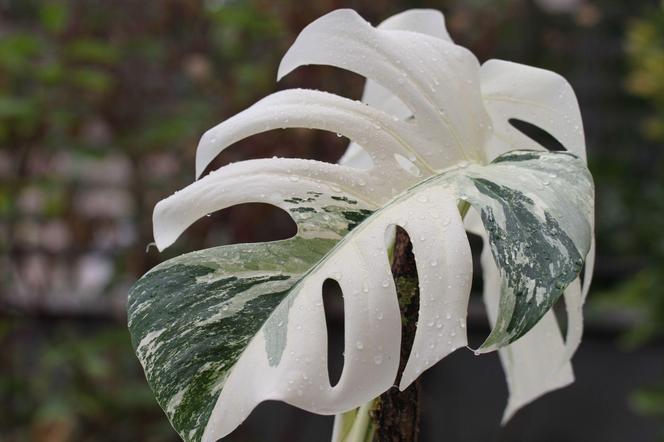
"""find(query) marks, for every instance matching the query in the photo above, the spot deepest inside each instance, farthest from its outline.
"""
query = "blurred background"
(101, 107)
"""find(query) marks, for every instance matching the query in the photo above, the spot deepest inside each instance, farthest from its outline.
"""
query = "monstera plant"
(434, 152)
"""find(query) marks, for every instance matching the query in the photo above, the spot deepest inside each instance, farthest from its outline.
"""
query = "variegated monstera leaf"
(220, 330)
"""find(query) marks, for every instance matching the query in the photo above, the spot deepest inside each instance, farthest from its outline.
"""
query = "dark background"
(101, 107)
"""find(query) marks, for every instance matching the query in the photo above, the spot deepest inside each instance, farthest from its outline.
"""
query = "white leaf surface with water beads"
(220, 330)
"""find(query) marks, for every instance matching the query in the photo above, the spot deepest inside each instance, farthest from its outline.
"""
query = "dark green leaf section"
(355, 217)
(191, 318)
(520, 155)
(316, 212)
(536, 258)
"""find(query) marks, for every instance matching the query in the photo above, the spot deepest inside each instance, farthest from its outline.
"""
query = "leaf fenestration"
(235, 317)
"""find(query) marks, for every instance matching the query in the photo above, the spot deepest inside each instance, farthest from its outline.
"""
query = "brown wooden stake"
(396, 413)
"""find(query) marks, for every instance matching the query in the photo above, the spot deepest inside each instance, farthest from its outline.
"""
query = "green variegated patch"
(191, 317)
(194, 317)
(537, 258)
(536, 208)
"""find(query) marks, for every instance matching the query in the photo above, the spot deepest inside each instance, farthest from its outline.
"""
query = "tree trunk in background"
(396, 413)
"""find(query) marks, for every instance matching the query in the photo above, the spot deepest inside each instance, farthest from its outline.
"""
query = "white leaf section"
(379, 133)
(574, 307)
(589, 267)
(540, 97)
(436, 79)
(545, 99)
(445, 271)
(424, 21)
(575, 297)
(269, 181)
(430, 22)
(373, 325)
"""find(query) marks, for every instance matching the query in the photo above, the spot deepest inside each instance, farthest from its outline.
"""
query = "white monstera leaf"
(545, 99)
(220, 330)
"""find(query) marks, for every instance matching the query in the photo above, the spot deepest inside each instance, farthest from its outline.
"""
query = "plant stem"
(354, 425)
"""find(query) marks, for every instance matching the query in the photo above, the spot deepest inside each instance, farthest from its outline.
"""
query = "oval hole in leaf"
(405, 275)
(558, 309)
(302, 143)
(538, 135)
(243, 223)
(477, 320)
(333, 304)
(475, 242)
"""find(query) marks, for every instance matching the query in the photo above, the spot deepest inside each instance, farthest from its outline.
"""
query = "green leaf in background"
(54, 15)
(92, 50)
(91, 79)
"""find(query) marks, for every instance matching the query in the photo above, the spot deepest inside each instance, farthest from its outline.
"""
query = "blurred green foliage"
(645, 196)
(83, 83)
(644, 292)
(74, 383)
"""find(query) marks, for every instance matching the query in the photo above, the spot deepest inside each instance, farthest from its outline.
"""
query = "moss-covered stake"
(396, 413)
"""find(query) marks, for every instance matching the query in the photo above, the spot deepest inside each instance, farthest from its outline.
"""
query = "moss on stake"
(395, 413)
